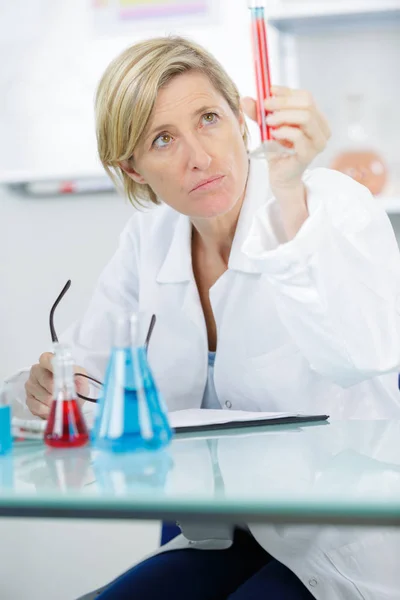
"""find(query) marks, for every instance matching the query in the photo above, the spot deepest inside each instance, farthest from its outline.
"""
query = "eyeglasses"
(98, 384)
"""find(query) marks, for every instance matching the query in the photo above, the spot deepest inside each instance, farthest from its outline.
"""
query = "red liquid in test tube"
(262, 70)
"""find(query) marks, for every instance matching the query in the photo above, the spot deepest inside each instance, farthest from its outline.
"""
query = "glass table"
(339, 472)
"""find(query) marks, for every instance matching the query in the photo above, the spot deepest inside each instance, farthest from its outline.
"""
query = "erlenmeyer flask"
(131, 413)
(358, 158)
(66, 426)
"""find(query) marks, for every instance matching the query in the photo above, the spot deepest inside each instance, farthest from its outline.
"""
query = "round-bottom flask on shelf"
(359, 159)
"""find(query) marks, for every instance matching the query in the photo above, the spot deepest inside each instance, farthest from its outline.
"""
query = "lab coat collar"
(177, 266)
(258, 194)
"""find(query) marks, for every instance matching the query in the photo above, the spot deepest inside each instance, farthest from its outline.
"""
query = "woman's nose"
(198, 156)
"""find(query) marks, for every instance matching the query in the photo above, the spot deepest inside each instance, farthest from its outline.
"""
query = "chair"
(169, 531)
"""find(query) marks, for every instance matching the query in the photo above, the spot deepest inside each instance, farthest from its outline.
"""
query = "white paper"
(193, 417)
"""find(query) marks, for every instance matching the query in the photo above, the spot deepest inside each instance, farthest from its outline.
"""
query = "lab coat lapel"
(177, 269)
(177, 265)
(258, 195)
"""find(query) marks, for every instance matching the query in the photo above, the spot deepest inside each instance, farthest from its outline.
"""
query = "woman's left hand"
(295, 122)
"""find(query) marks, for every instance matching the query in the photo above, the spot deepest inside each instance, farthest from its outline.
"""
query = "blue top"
(210, 399)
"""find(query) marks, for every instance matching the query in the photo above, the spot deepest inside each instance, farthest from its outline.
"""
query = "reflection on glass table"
(340, 472)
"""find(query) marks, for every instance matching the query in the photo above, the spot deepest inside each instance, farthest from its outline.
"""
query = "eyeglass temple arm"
(146, 345)
(54, 337)
(88, 377)
(150, 331)
(94, 400)
(65, 289)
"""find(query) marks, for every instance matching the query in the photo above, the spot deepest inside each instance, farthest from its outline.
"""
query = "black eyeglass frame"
(54, 338)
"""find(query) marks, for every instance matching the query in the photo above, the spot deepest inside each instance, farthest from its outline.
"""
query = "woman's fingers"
(34, 388)
(39, 391)
(302, 145)
(286, 99)
(281, 90)
(249, 106)
(44, 378)
(300, 109)
(37, 408)
(302, 119)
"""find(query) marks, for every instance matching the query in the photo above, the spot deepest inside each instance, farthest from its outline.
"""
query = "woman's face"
(192, 153)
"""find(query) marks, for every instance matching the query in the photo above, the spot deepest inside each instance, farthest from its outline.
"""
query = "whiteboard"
(53, 55)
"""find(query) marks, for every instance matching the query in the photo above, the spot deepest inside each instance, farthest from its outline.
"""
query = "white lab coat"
(309, 325)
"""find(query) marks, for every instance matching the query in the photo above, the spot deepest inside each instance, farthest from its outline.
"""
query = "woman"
(289, 279)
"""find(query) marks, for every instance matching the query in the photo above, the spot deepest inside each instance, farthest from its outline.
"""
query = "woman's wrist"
(294, 209)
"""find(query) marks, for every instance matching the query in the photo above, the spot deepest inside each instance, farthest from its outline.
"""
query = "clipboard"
(249, 420)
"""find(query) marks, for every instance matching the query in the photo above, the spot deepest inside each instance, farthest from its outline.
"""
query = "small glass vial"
(66, 427)
(5, 422)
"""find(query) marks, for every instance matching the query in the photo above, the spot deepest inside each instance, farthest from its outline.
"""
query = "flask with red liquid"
(359, 158)
(66, 427)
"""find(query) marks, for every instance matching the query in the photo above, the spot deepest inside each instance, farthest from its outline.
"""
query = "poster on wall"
(124, 16)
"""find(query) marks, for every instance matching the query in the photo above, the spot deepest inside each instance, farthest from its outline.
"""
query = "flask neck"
(256, 4)
(356, 131)
(125, 331)
(63, 374)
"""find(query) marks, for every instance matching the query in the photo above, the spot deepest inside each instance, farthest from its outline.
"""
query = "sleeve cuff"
(290, 256)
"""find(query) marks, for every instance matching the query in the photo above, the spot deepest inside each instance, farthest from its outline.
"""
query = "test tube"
(263, 78)
(261, 63)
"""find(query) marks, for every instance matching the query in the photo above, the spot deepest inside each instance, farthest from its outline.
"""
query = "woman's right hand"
(39, 387)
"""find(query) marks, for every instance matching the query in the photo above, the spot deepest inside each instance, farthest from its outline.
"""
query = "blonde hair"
(128, 91)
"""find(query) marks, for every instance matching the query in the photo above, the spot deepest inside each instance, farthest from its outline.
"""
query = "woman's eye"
(162, 140)
(210, 118)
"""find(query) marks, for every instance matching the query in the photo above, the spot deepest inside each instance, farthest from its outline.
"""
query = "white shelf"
(289, 9)
(52, 184)
(16, 177)
(308, 17)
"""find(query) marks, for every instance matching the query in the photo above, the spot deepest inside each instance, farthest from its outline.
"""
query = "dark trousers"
(245, 571)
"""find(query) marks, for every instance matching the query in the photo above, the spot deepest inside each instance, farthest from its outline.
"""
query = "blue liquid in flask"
(131, 413)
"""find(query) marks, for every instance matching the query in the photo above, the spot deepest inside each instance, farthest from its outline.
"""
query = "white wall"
(43, 243)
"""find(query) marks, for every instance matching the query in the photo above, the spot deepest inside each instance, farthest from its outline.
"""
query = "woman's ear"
(242, 121)
(127, 167)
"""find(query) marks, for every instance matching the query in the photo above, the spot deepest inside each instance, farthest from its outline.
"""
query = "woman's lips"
(209, 183)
